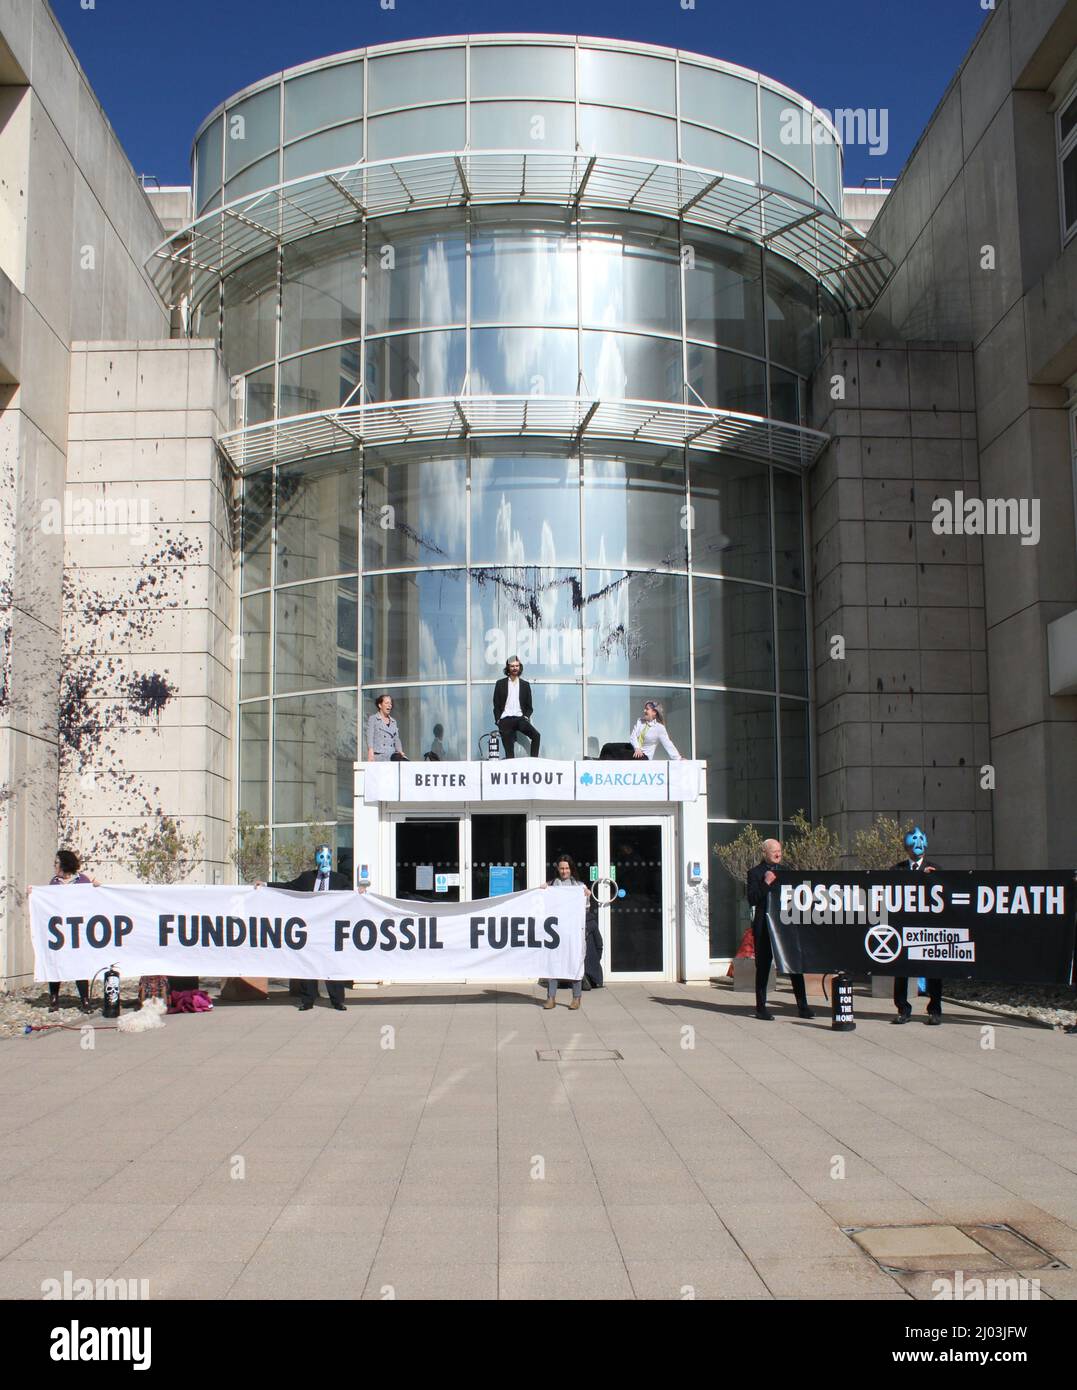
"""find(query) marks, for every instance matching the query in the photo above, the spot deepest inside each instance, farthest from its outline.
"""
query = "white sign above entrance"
(533, 779)
(639, 780)
(527, 779)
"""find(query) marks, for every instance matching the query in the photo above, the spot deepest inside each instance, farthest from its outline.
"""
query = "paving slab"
(413, 1171)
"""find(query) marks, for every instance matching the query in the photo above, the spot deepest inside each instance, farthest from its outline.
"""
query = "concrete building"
(958, 698)
(116, 567)
(572, 347)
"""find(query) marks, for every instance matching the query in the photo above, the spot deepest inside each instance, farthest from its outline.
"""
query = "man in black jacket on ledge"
(917, 863)
(513, 707)
(759, 880)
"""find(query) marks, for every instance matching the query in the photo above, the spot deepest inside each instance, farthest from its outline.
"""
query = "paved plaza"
(460, 1142)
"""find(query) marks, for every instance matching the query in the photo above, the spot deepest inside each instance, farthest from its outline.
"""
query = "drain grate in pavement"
(976, 1249)
(578, 1054)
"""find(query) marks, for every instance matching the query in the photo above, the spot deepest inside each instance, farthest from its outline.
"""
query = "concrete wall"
(146, 705)
(75, 228)
(973, 225)
(901, 718)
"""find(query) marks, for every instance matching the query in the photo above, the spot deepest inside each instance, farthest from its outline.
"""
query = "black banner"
(946, 924)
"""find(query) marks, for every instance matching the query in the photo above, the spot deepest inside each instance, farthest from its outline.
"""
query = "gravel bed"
(29, 1004)
(1055, 1005)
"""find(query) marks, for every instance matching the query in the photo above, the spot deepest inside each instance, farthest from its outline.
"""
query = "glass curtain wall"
(554, 96)
(615, 574)
(522, 302)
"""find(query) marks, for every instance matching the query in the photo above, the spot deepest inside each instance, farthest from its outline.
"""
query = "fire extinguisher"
(111, 1007)
(841, 1005)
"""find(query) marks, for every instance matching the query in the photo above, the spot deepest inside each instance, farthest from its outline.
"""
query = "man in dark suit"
(917, 863)
(513, 709)
(323, 878)
(759, 880)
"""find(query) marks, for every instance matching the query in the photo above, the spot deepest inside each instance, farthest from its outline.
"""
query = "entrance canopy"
(588, 782)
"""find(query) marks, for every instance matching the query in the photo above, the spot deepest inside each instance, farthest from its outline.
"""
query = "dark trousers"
(764, 957)
(81, 985)
(508, 728)
(901, 995)
(334, 988)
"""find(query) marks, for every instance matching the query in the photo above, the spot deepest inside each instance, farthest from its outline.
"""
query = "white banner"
(534, 779)
(79, 930)
(527, 779)
(422, 781)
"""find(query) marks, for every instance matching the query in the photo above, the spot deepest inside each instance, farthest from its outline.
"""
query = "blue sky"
(158, 69)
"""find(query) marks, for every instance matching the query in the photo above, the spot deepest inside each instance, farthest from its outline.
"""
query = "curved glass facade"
(502, 92)
(617, 571)
(520, 302)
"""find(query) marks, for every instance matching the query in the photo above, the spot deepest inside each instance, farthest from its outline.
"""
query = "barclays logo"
(624, 779)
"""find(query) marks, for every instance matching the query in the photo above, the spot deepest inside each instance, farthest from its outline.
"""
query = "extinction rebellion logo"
(883, 944)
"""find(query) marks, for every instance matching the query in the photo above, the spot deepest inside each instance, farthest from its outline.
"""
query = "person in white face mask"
(323, 878)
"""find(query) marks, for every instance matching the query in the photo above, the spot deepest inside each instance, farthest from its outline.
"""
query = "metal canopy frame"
(220, 242)
(569, 419)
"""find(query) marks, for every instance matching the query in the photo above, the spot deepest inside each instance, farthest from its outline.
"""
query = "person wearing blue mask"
(323, 878)
(917, 863)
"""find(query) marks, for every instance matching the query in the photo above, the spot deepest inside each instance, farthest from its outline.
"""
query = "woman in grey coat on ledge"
(382, 736)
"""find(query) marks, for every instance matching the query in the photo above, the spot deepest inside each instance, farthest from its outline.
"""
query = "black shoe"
(1070, 1028)
(903, 1016)
(765, 1015)
(805, 1012)
(934, 1019)
(306, 1004)
(54, 1006)
(335, 1005)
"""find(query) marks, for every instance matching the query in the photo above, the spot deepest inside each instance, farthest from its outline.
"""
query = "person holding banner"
(567, 878)
(323, 878)
(916, 849)
(66, 868)
(759, 881)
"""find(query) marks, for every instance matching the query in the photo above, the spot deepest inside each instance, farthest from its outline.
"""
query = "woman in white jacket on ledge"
(649, 731)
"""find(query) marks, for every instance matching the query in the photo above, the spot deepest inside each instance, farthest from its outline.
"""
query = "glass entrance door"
(638, 919)
(426, 856)
(633, 851)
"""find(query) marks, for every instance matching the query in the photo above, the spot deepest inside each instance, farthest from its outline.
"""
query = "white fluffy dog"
(151, 1015)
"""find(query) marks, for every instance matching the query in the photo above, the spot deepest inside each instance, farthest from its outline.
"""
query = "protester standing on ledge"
(513, 709)
(759, 880)
(382, 735)
(66, 870)
(649, 731)
(916, 849)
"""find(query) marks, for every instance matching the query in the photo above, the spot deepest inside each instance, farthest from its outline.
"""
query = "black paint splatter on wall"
(147, 695)
(99, 698)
